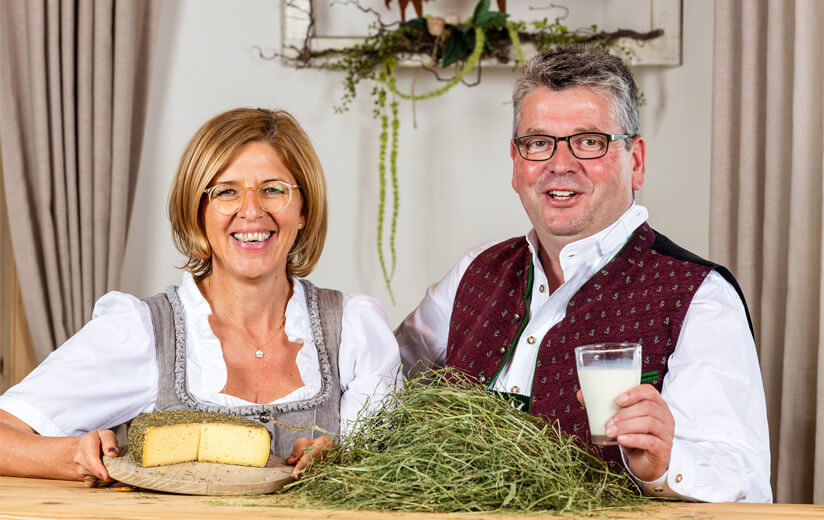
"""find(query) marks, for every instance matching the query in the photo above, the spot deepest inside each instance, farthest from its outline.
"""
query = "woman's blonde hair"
(208, 153)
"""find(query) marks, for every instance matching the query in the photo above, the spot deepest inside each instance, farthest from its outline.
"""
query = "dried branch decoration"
(439, 45)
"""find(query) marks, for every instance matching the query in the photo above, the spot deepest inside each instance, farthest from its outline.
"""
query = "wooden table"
(22, 498)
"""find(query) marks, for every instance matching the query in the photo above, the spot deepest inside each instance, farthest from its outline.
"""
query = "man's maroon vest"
(641, 296)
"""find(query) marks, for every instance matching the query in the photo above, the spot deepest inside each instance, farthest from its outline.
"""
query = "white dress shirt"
(106, 374)
(713, 384)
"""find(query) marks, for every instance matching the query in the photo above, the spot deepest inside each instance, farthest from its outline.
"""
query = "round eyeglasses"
(272, 196)
(586, 145)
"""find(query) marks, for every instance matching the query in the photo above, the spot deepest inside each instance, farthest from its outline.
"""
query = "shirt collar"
(190, 294)
(606, 242)
(297, 327)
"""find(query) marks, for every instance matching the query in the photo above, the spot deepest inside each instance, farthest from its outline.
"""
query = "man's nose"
(562, 161)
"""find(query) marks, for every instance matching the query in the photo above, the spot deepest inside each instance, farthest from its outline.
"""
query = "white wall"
(454, 169)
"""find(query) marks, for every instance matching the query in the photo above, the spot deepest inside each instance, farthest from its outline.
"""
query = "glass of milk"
(605, 371)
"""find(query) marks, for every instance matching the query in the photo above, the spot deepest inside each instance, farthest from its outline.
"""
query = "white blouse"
(106, 374)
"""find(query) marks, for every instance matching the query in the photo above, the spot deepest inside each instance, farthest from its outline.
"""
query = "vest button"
(531, 340)
(515, 389)
(542, 288)
(482, 379)
(679, 477)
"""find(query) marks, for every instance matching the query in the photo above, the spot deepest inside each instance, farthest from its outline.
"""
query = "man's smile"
(561, 194)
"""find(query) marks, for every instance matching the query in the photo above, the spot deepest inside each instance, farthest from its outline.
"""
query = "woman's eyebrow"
(264, 181)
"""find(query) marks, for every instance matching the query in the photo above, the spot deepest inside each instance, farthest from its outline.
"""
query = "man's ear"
(513, 153)
(638, 162)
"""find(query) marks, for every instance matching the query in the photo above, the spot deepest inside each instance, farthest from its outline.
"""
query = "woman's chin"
(257, 269)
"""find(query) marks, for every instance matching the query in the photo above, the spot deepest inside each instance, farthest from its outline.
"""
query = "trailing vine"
(446, 44)
(381, 113)
(393, 169)
(384, 138)
(471, 61)
(512, 31)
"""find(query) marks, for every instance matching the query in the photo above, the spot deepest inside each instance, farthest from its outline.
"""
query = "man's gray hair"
(581, 66)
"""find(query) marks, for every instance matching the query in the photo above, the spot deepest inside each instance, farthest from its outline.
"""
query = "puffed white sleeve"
(368, 359)
(713, 387)
(423, 335)
(103, 376)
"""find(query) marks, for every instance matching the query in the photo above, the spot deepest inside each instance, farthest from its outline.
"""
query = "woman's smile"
(253, 239)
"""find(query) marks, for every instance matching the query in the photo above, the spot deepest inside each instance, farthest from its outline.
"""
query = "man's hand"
(87, 456)
(644, 427)
(307, 449)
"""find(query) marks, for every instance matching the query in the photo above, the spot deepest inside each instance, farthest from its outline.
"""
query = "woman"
(242, 334)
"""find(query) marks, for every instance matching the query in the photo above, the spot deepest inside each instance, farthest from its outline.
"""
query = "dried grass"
(441, 447)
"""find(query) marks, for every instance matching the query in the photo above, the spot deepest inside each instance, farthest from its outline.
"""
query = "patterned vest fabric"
(641, 295)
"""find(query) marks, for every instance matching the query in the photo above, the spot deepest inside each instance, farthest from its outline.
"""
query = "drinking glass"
(605, 371)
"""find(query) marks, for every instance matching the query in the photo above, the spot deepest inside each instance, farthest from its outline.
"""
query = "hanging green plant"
(449, 44)
(380, 111)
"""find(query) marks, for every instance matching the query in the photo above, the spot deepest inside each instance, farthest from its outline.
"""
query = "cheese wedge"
(170, 437)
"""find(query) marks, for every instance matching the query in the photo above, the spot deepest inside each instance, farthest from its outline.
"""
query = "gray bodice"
(304, 418)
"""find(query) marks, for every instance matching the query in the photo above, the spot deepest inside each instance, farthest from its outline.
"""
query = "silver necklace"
(258, 346)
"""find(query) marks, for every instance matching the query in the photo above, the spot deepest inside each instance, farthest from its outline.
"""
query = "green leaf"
(456, 47)
(491, 18)
(480, 10)
(469, 41)
(417, 23)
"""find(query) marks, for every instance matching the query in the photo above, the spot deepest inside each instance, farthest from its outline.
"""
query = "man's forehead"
(541, 129)
(576, 109)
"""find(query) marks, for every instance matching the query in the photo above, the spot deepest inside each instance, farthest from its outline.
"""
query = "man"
(592, 270)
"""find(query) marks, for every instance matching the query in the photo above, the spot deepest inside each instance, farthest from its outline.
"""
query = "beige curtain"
(766, 213)
(73, 90)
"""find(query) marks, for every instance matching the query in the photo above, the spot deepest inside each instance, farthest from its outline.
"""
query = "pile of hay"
(441, 447)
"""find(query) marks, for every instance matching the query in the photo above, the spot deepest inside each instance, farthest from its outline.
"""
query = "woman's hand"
(87, 456)
(24, 453)
(307, 449)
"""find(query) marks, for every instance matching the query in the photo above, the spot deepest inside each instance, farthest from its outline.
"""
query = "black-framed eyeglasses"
(586, 145)
(272, 196)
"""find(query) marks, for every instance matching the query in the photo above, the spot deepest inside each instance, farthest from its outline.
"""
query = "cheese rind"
(181, 436)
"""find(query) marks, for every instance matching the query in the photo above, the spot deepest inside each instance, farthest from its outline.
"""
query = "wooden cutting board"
(201, 478)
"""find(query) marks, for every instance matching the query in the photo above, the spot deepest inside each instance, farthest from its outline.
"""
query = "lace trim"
(182, 389)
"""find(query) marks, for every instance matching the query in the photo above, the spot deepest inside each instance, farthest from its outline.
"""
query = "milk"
(601, 384)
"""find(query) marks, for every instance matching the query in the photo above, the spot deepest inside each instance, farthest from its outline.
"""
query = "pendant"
(259, 353)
